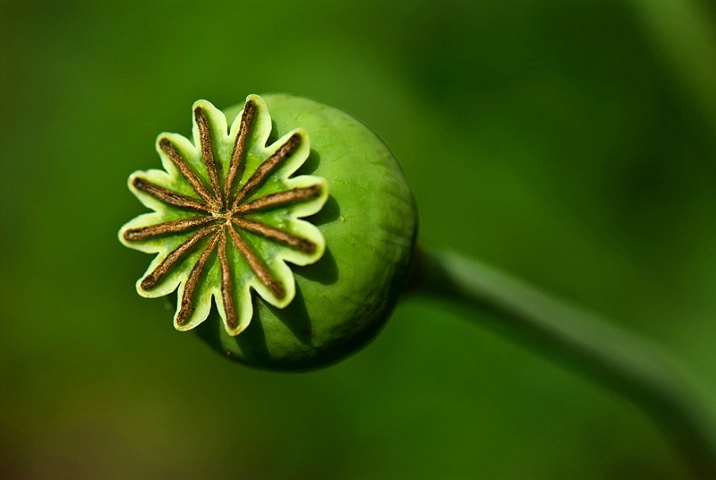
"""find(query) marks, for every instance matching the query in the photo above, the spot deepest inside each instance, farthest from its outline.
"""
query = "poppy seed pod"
(285, 226)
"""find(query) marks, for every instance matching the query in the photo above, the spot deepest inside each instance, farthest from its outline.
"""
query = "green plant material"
(229, 217)
(351, 253)
(583, 341)
(229, 193)
(683, 31)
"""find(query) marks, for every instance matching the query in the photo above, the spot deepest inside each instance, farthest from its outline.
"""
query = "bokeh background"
(571, 143)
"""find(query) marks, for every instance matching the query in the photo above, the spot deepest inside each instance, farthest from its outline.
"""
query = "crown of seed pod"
(285, 226)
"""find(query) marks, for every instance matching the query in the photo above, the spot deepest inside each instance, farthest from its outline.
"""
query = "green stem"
(615, 358)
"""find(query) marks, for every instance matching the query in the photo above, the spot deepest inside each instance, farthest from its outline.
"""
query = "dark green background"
(572, 143)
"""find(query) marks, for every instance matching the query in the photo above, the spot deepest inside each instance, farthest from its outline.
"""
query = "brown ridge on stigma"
(187, 301)
(301, 244)
(227, 287)
(167, 196)
(280, 199)
(207, 150)
(167, 228)
(238, 152)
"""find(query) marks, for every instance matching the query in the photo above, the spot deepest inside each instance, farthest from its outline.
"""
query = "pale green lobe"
(272, 254)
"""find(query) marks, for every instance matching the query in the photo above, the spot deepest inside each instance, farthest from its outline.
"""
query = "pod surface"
(369, 224)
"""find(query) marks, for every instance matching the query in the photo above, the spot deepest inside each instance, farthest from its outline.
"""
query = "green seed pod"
(291, 215)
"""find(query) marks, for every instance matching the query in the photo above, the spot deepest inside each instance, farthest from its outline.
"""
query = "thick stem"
(586, 342)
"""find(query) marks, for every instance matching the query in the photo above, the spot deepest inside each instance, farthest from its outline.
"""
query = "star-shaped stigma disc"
(226, 216)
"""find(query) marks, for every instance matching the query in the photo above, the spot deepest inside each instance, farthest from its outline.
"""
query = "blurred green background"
(572, 143)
